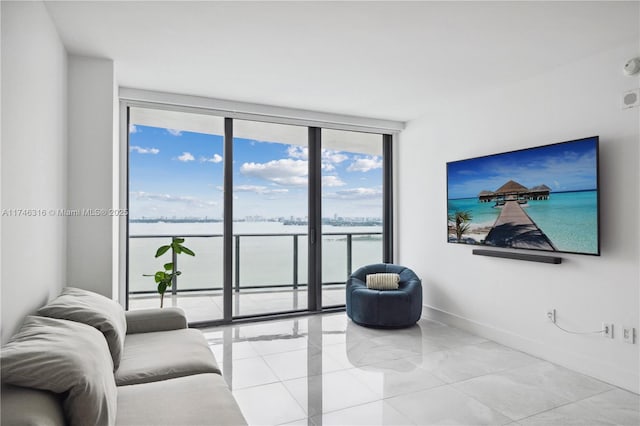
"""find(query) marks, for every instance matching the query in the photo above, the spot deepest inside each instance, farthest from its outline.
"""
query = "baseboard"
(593, 367)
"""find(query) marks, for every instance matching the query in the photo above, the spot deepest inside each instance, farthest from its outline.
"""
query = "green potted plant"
(164, 278)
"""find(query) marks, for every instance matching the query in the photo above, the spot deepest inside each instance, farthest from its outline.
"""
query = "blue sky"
(562, 167)
(176, 173)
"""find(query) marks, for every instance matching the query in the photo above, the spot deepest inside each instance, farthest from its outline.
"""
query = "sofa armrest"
(156, 319)
(26, 406)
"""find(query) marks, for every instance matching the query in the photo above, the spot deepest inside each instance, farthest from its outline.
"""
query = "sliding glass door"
(270, 209)
(352, 214)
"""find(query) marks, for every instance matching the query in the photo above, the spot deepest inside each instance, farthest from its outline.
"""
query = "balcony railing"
(295, 284)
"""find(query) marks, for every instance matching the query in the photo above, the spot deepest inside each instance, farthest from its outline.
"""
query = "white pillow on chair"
(383, 281)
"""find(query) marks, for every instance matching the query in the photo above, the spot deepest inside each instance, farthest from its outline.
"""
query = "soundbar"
(518, 256)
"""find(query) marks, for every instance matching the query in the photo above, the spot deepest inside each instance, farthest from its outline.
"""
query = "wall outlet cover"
(631, 99)
(628, 334)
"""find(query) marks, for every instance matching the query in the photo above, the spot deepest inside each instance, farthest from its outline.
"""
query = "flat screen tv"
(543, 198)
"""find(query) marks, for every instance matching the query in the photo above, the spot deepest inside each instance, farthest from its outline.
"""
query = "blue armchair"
(384, 308)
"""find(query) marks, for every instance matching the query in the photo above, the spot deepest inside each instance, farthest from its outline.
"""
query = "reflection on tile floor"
(207, 306)
(324, 369)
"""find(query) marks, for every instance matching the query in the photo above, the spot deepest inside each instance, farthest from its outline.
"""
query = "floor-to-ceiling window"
(352, 199)
(240, 193)
(270, 209)
(175, 180)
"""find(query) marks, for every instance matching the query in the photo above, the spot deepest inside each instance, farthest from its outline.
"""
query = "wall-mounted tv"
(543, 198)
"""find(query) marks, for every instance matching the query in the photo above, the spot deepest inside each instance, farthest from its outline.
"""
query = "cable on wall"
(580, 332)
(552, 317)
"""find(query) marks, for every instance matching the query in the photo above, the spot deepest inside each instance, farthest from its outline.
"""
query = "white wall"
(91, 173)
(34, 152)
(506, 300)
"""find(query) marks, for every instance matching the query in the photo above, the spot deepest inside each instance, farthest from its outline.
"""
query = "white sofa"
(165, 373)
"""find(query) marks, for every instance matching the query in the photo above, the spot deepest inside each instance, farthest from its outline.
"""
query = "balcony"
(269, 274)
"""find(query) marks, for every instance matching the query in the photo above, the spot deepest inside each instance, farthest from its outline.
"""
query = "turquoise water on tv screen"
(569, 219)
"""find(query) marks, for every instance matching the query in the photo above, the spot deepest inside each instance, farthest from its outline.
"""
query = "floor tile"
(302, 422)
(265, 329)
(370, 346)
(278, 344)
(377, 413)
(238, 350)
(301, 363)
(330, 392)
(465, 362)
(397, 377)
(444, 335)
(445, 405)
(615, 407)
(532, 389)
(248, 372)
(268, 405)
(328, 329)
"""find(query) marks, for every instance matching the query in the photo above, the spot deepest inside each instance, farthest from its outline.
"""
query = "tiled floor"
(325, 370)
(207, 305)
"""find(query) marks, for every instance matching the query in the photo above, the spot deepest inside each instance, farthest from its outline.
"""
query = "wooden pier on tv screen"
(514, 228)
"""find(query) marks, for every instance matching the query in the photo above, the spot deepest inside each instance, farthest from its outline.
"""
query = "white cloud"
(286, 171)
(175, 132)
(188, 200)
(356, 194)
(329, 157)
(133, 128)
(186, 156)
(256, 188)
(217, 158)
(297, 151)
(141, 150)
(334, 157)
(364, 164)
(332, 181)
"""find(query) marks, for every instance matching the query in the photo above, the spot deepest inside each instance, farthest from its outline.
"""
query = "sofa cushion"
(155, 319)
(150, 357)
(30, 407)
(202, 399)
(64, 357)
(93, 309)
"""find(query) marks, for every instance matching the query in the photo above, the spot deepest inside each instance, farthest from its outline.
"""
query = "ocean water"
(265, 259)
(569, 219)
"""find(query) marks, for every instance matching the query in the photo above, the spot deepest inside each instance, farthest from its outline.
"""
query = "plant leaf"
(178, 240)
(168, 266)
(162, 250)
(162, 287)
(177, 249)
(187, 251)
(177, 273)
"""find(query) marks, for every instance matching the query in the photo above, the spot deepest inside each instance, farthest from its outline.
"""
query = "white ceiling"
(390, 60)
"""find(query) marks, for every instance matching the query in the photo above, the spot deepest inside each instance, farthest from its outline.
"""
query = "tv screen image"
(542, 198)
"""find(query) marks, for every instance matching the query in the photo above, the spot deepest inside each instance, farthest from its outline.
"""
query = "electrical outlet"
(551, 315)
(629, 334)
(608, 330)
